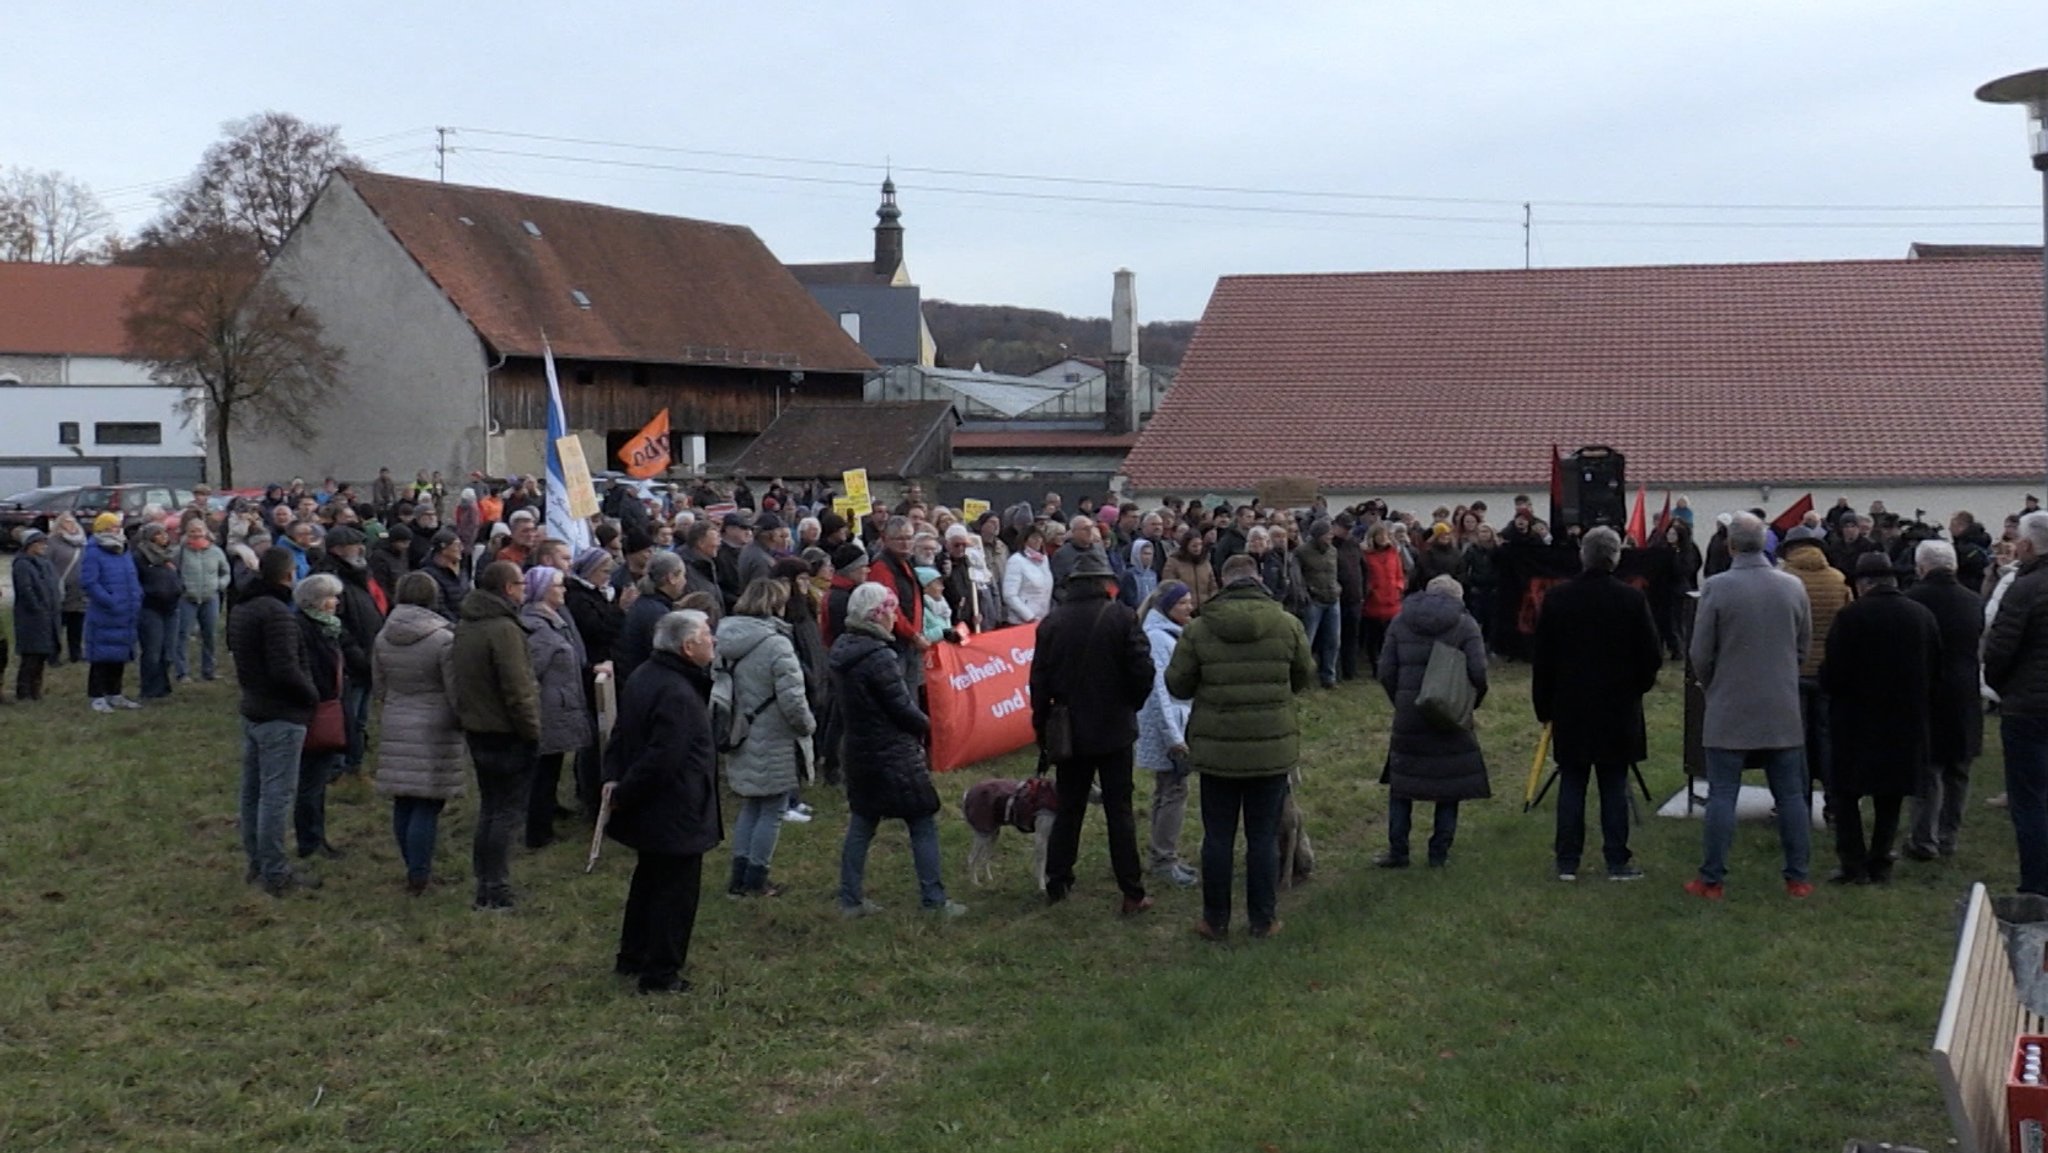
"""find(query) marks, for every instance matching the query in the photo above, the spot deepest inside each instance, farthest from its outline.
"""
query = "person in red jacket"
(849, 572)
(895, 569)
(1386, 577)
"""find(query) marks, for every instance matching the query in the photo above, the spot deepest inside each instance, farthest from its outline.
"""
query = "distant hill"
(1023, 340)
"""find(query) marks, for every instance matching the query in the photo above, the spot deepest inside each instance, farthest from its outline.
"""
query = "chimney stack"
(1120, 371)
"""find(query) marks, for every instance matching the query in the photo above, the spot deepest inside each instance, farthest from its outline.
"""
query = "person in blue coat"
(113, 606)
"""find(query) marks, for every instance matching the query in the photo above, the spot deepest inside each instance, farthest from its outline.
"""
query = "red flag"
(1790, 518)
(1664, 518)
(1638, 528)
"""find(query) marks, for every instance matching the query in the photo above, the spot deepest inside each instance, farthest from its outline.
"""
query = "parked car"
(35, 509)
(130, 499)
(224, 499)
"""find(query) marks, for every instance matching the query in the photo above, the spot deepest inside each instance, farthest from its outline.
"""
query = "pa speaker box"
(1595, 489)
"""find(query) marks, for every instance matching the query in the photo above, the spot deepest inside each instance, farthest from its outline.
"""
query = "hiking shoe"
(1439, 862)
(1208, 932)
(102, 705)
(1567, 875)
(947, 911)
(656, 988)
(1705, 891)
(856, 912)
(1625, 873)
(1917, 853)
(1799, 890)
(764, 889)
(1387, 859)
(1132, 906)
(1272, 930)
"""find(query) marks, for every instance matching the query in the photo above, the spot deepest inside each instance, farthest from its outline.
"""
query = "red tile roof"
(66, 309)
(662, 289)
(1712, 374)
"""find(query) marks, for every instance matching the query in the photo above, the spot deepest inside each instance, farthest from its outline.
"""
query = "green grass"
(150, 1001)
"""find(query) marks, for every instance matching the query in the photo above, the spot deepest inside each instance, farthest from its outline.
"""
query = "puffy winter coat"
(1425, 763)
(1319, 571)
(1240, 662)
(38, 607)
(1027, 589)
(1386, 576)
(67, 556)
(1163, 722)
(113, 599)
(2016, 648)
(203, 572)
(419, 743)
(760, 657)
(883, 750)
(1194, 572)
(1827, 593)
(494, 687)
(557, 655)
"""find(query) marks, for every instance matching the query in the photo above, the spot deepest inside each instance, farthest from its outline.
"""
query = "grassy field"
(150, 1001)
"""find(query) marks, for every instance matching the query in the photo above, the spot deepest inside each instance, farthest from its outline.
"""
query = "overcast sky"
(1844, 109)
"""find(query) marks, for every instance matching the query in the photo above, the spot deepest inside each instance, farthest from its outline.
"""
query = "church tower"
(888, 231)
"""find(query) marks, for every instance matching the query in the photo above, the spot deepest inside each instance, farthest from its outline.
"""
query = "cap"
(1873, 564)
(342, 536)
(848, 556)
(636, 541)
(738, 520)
(30, 537)
(766, 522)
(1804, 535)
(927, 574)
(1091, 565)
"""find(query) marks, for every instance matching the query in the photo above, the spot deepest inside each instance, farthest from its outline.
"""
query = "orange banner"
(646, 455)
(979, 692)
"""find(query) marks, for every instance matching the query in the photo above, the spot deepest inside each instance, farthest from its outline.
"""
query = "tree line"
(1020, 341)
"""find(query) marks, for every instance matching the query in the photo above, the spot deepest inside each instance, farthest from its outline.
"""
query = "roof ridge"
(1728, 266)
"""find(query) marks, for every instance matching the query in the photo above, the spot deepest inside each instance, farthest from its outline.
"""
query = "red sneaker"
(1705, 891)
(1799, 890)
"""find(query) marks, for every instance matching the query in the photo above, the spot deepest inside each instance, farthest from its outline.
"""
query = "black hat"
(1872, 565)
(637, 541)
(738, 520)
(766, 522)
(444, 537)
(847, 556)
(399, 531)
(1091, 565)
(342, 536)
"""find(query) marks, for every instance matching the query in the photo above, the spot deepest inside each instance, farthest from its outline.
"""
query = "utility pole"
(441, 153)
(1525, 236)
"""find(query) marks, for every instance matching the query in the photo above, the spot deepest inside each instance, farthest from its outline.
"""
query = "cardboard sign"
(1288, 492)
(576, 476)
(848, 511)
(980, 696)
(972, 510)
(855, 481)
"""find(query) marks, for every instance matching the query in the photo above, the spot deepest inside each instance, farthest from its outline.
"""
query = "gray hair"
(1745, 533)
(1600, 549)
(310, 592)
(1444, 585)
(662, 566)
(1935, 556)
(1259, 532)
(2034, 530)
(896, 524)
(676, 629)
(809, 523)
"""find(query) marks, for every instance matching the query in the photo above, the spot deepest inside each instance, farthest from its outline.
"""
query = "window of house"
(640, 376)
(586, 376)
(128, 432)
(1073, 378)
(850, 321)
(67, 432)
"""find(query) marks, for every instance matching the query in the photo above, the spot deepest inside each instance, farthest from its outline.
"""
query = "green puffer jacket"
(1319, 571)
(495, 691)
(1241, 661)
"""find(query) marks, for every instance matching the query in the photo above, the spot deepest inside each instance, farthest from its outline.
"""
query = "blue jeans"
(2026, 795)
(153, 632)
(759, 825)
(924, 856)
(202, 616)
(1443, 828)
(1785, 769)
(1325, 627)
(416, 824)
(270, 782)
(355, 713)
(309, 814)
(1258, 800)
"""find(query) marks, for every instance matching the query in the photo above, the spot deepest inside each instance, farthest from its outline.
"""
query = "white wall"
(104, 370)
(30, 414)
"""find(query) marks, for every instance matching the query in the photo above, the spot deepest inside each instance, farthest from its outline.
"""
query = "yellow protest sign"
(576, 477)
(855, 481)
(972, 510)
(847, 510)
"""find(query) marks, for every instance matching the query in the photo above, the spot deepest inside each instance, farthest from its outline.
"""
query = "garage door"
(14, 479)
(75, 474)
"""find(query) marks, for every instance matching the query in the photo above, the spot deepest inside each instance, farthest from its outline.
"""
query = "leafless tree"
(257, 180)
(50, 218)
(248, 357)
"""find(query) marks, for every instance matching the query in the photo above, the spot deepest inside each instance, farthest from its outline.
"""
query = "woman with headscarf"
(419, 745)
(334, 656)
(67, 556)
(887, 777)
(556, 651)
(156, 626)
(113, 602)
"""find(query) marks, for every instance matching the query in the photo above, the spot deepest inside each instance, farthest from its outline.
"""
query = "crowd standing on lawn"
(774, 639)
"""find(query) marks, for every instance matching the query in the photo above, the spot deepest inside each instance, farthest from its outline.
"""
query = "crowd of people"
(759, 644)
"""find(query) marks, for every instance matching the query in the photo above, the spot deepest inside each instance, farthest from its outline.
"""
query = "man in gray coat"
(1748, 639)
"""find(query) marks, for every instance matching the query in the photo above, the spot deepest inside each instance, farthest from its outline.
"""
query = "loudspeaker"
(1595, 490)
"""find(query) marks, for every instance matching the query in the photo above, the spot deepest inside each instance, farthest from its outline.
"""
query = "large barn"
(440, 295)
(1917, 381)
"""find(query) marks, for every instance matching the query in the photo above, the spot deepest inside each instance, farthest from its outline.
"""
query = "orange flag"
(646, 455)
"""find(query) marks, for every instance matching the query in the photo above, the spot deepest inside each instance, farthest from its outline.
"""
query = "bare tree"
(50, 218)
(256, 180)
(248, 357)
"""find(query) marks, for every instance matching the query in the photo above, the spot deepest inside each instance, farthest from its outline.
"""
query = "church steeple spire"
(888, 230)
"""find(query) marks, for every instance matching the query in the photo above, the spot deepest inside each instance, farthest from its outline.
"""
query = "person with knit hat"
(938, 615)
(555, 649)
(38, 612)
(887, 776)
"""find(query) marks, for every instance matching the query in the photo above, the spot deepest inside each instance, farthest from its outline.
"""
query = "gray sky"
(1829, 103)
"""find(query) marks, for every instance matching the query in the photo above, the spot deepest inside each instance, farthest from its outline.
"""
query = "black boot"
(737, 887)
(756, 883)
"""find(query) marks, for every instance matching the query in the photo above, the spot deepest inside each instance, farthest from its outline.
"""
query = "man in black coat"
(1883, 676)
(2016, 668)
(738, 533)
(700, 559)
(1596, 654)
(1093, 662)
(362, 619)
(278, 697)
(661, 772)
(1957, 732)
(660, 589)
(1350, 592)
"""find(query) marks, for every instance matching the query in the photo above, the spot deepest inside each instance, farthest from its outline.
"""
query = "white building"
(73, 408)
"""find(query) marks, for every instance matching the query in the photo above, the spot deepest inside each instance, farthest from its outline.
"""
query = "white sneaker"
(123, 702)
(797, 816)
(102, 705)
